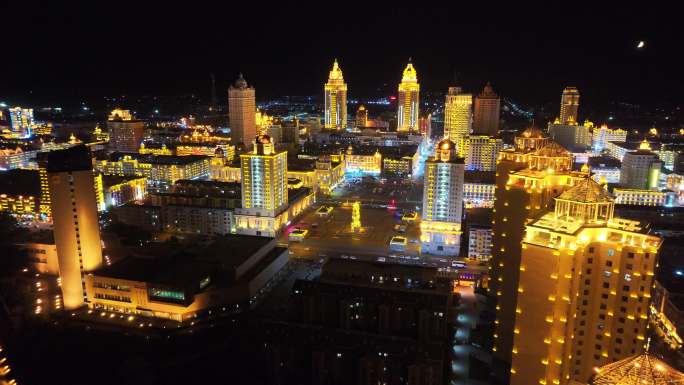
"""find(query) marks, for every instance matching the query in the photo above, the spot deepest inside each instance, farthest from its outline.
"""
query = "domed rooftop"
(446, 144)
(644, 369)
(553, 149)
(587, 191)
(241, 82)
(532, 132)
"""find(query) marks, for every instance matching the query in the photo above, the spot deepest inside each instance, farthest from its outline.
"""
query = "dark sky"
(97, 48)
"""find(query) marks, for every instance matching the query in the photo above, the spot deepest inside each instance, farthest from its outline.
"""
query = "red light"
(393, 97)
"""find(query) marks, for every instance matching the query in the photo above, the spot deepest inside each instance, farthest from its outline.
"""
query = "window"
(591, 250)
(611, 252)
(629, 266)
(609, 263)
(631, 255)
(590, 260)
(606, 285)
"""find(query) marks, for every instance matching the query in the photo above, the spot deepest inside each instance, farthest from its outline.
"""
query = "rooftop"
(644, 369)
(587, 191)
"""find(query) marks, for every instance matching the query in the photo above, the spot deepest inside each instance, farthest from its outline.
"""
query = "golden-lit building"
(361, 117)
(329, 174)
(408, 102)
(365, 162)
(242, 113)
(264, 189)
(263, 121)
(457, 114)
(21, 121)
(643, 369)
(486, 112)
(161, 150)
(569, 106)
(335, 92)
(440, 228)
(639, 197)
(528, 177)
(75, 218)
(479, 151)
(125, 132)
(584, 289)
(119, 190)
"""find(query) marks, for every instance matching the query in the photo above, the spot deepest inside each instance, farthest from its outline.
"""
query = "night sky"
(86, 50)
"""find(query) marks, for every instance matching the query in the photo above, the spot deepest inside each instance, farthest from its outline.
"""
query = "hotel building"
(569, 106)
(457, 114)
(479, 151)
(486, 112)
(125, 132)
(528, 178)
(75, 218)
(584, 289)
(242, 113)
(442, 201)
(21, 121)
(267, 205)
(335, 92)
(408, 102)
(641, 169)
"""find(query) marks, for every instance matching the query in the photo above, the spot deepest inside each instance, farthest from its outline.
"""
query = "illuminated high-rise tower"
(569, 105)
(125, 132)
(528, 178)
(361, 117)
(486, 112)
(409, 100)
(335, 99)
(442, 201)
(242, 113)
(21, 121)
(75, 219)
(457, 114)
(584, 289)
(264, 189)
(641, 168)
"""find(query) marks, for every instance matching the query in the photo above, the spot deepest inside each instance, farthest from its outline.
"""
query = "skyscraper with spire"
(408, 101)
(335, 91)
(242, 113)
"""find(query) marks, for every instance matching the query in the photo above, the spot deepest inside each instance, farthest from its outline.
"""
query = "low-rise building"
(229, 272)
(119, 190)
(20, 192)
(479, 188)
(41, 251)
(479, 227)
(638, 197)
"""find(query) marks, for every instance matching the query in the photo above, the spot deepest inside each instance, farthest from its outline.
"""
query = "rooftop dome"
(532, 132)
(587, 191)
(553, 149)
(446, 144)
(644, 369)
(241, 82)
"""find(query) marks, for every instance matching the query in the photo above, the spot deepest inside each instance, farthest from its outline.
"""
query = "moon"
(641, 44)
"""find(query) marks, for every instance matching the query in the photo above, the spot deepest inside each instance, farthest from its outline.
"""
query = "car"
(398, 243)
(297, 235)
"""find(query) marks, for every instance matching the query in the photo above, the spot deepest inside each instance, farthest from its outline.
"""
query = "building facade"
(479, 151)
(408, 101)
(457, 114)
(242, 113)
(569, 106)
(335, 95)
(640, 169)
(125, 133)
(584, 289)
(442, 201)
(75, 219)
(486, 112)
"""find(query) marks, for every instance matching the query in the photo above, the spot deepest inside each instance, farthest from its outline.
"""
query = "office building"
(335, 91)
(605, 167)
(479, 225)
(569, 106)
(486, 112)
(639, 197)
(363, 160)
(425, 125)
(479, 151)
(75, 219)
(457, 114)
(528, 178)
(641, 168)
(242, 113)
(584, 289)
(442, 201)
(479, 188)
(408, 101)
(21, 121)
(125, 132)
